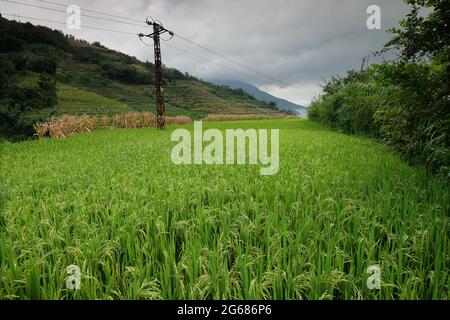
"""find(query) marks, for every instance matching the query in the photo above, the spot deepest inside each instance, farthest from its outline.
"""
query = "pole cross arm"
(159, 27)
(146, 35)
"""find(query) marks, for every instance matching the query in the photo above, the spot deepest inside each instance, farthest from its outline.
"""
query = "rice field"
(140, 227)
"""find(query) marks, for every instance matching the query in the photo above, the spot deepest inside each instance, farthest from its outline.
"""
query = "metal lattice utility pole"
(158, 29)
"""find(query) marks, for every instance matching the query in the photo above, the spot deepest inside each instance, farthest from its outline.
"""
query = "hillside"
(46, 73)
(264, 96)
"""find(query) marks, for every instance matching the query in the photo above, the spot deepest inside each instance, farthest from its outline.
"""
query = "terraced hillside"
(184, 95)
(90, 78)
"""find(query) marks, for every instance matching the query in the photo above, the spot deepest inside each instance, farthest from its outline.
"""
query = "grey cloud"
(298, 42)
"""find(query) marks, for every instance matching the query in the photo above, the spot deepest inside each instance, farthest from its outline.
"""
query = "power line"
(129, 33)
(64, 23)
(63, 11)
(158, 69)
(204, 58)
(266, 76)
(93, 11)
(230, 60)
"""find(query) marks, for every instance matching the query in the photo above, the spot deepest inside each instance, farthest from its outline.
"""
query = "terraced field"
(138, 226)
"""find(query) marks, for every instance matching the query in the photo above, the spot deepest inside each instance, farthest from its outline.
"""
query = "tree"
(47, 88)
(420, 36)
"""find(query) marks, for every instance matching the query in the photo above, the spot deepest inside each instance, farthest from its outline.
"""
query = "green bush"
(12, 123)
(127, 74)
(20, 62)
(358, 103)
(86, 55)
(9, 43)
(325, 109)
(404, 104)
(415, 120)
(47, 65)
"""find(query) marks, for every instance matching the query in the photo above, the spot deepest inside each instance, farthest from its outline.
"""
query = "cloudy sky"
(296, 43)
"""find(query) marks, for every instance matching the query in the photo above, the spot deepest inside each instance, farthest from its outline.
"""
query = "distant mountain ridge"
(45, 73)
(261, 95)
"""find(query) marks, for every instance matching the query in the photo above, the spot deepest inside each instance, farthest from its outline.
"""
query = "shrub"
(47, 91)
(42, 65)
(358, 102)
(404, 104)
(127, 74)
(415, 117)
(10, 44)
(20, 62)
(86, 55)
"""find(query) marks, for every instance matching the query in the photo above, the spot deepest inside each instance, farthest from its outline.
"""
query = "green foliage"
(9, 43)
(7, 69)
(20, 61)
(2, 203)
(28, 33)
(97, 81)
(86, 55)
(415, 118)
(9, 113)
(16, 99)
(44, 65)
(169, 73)
(424, 36)
(47, 90)
(12, 122)
(127, 74)
(404, 103)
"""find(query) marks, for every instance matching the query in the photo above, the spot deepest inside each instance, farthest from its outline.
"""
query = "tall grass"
(140, 227)
(68, 125)
(134, 120)
(232, 117)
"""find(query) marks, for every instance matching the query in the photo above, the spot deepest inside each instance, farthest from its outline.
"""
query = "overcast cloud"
(296, 41)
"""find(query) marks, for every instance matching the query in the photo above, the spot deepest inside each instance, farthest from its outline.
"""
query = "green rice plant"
(140, 227)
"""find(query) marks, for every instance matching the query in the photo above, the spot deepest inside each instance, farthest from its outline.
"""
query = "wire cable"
(266, 76)
(63, 11)
(231, 60)
(93, 11)
(64, 23)
(206, 59)
(129, 33)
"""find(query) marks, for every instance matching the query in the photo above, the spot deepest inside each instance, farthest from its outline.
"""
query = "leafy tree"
(47, 88)
(20, 62)
(126, 73)
(45, 65)
(424, 36)
(9, 43)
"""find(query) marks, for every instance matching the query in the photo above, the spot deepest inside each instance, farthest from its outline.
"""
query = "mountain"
(46, 73)
(264, 96)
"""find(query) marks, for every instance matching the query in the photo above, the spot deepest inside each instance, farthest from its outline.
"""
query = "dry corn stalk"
(65, 126)
(68, 124)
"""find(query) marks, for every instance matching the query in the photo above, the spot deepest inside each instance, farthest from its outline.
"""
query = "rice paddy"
(140, 227)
